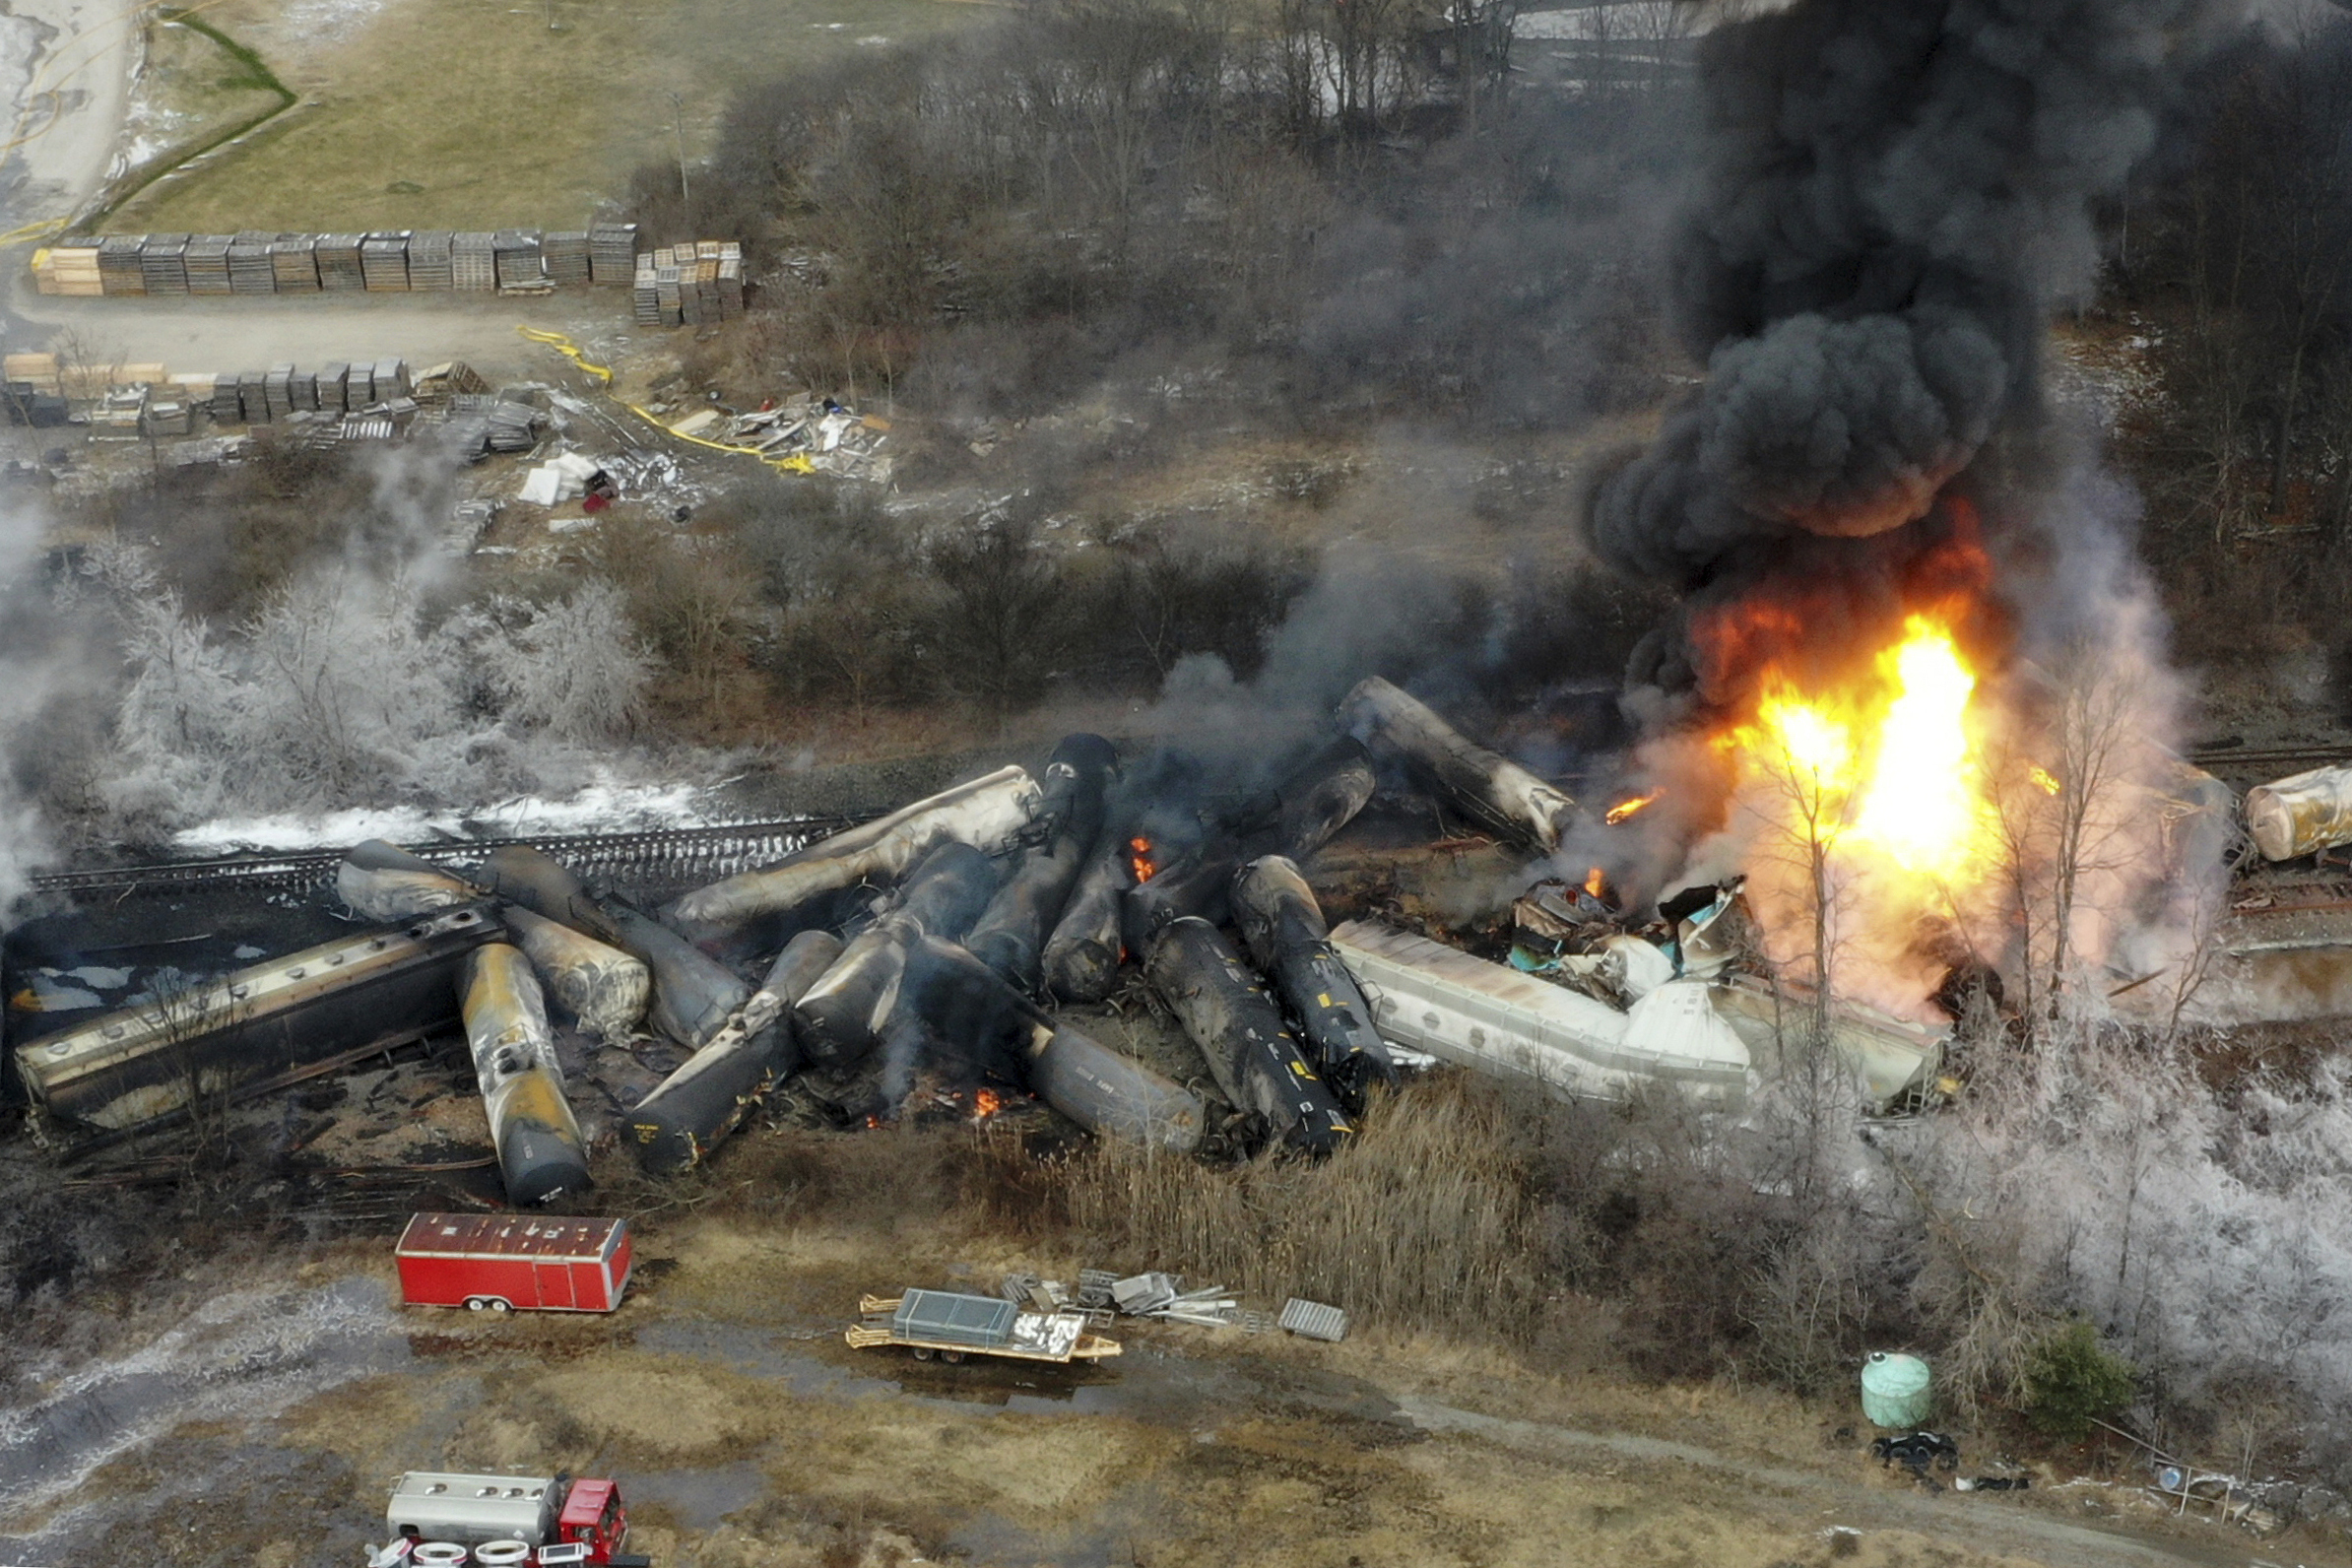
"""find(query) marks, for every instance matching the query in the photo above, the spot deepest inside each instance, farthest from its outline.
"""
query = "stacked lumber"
(430, 259)
(277, 390)
(207, 261)
(163, 264)
(333, 388)
(293, 263)
(473, 261)
(68, 269)
(339, 265)
(613, 253)
(37, 371)
(118, 266)
(228, 403)
(251, 270)
(520, 263)
(565, 254)
(384, 261)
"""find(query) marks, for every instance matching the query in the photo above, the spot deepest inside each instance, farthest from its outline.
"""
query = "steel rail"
(664, 853)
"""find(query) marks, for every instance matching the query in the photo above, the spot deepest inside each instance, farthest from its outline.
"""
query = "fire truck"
(438, 1519)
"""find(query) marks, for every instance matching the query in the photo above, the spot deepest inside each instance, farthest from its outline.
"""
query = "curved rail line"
(650, 856)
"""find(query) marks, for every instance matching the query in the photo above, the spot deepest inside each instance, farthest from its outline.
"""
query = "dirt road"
(196, 334)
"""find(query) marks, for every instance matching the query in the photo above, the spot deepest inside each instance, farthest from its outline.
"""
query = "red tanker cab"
(594, 1518)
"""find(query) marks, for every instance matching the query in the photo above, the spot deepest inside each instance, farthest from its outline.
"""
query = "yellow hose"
(798, 463)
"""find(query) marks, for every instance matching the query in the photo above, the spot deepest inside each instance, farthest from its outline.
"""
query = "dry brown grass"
(1424, 1222)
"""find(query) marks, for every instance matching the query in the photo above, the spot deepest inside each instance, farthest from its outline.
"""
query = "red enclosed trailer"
(499, 1261)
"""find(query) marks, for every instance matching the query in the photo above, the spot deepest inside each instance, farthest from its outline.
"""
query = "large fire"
(1874, 794)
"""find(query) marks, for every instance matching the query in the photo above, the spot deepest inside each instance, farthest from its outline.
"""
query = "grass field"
(476, 115)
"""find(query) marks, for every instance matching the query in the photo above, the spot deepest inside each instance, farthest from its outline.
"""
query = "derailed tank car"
(343, 999)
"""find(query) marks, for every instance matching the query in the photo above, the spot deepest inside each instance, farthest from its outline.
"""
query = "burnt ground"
(256, 1412)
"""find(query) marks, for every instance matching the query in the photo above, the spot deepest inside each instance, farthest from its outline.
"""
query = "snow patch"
(601, 808)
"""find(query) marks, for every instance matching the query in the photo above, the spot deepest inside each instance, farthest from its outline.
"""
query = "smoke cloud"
(1894, 195)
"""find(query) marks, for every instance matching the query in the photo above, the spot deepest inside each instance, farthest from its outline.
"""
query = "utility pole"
(678, 122)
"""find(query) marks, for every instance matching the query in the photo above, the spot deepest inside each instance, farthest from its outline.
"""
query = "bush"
(2071, 1381)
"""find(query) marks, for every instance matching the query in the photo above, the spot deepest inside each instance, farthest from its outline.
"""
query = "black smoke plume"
(1894, 194)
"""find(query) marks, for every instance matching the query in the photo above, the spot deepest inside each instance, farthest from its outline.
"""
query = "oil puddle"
(236, 1358)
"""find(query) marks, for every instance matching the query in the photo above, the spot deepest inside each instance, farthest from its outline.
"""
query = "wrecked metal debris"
(1251, 1052)
(1493, 1019)
(2301, 815)
(679, 1124)
(1313, 1320)
(985, 813)
(1290, 943)
(1493, 789)
(541, 1152)
(341, 1000)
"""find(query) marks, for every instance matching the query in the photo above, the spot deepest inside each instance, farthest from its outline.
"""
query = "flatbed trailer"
(952, 1326)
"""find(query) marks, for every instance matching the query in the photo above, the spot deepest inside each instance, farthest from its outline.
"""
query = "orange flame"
(1627, 809)
(986, 1103)
(1597, 882)
(1140, 861)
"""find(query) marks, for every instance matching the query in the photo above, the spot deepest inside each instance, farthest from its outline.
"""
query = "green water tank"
(1896, 1391)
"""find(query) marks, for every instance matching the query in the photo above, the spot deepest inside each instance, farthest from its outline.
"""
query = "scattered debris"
(1916, 1451)
(1313, 1320)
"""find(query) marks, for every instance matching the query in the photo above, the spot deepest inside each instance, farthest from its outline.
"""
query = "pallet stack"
(250, 269)
(358, 386)
(520, 263)
(473, 261)
(259, 262)
(333, 388)
(277, 390)
(303, 390)
(384, 261)
(163, 264)
(565, 253)
(430, 259)
(226, 407)
(339, 265)
(646, 292)
(294, 262)
(207, 261)
(613, 253)
(118, 266)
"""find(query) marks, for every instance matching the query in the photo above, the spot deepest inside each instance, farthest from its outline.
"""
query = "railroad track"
(2274, 761)
(650, 857)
